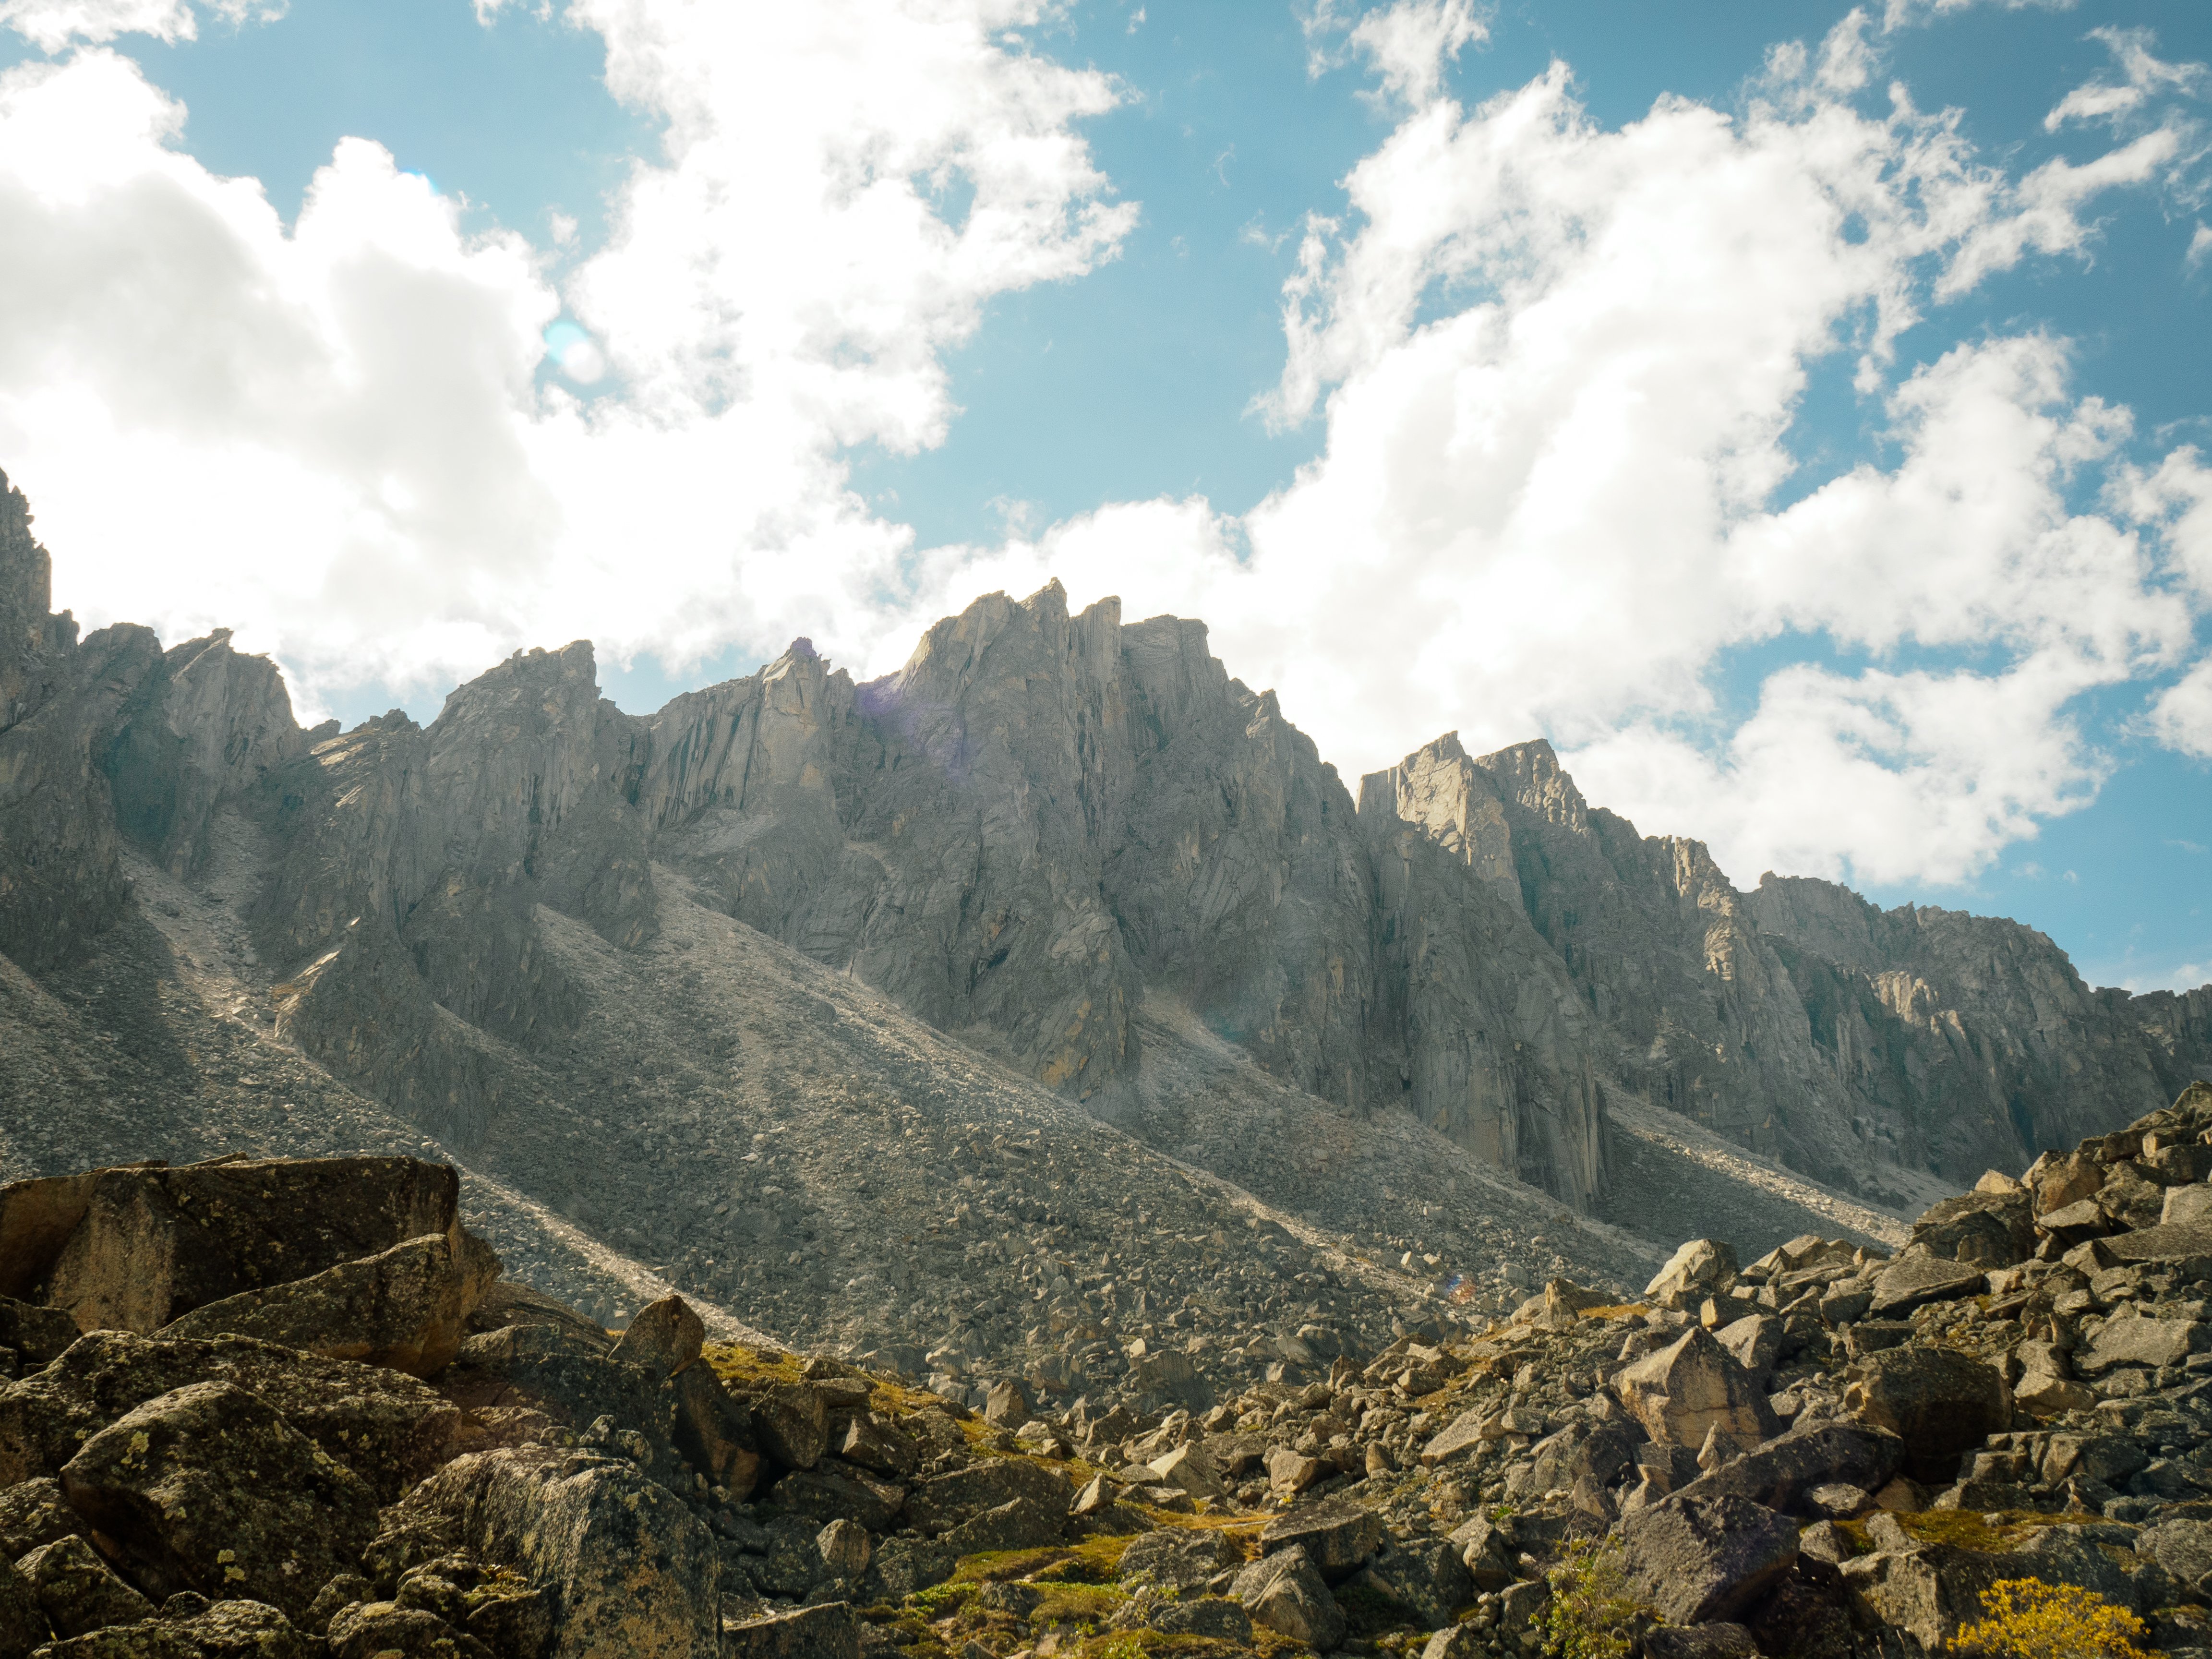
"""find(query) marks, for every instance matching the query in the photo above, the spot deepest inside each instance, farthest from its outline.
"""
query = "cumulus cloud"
(1560, 366)
(346, 420)
(2144, 77)
(51, 25)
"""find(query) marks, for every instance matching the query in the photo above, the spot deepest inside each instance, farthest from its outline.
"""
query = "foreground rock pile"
(290, 1408)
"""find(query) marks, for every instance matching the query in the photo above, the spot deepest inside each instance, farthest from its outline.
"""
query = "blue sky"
(1110, 391)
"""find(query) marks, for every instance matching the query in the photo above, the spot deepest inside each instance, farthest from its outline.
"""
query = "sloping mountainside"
(878, 1013)
(295, 1408)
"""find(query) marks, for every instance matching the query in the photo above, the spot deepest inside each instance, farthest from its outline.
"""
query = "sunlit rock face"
(1040, 827)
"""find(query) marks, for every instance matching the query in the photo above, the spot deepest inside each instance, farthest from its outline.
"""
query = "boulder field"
(291, 1408)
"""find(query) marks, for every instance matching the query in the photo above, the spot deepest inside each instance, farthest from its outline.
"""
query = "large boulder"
(793, 1423)
(388, 1428)
(1285, 1592)
(1983, 1230)
(1693, 1386)
(206, 1488)
(406, 1308)
(1914, 1281)
(629, 1569)
(38, 1334)
(1337, 1535)
(715, 1431)
(226, 1630)
(570, 1376)
(1783, 1472)
(32, 1513)
(1697, 1269)
(1176, 1557)
(134, 1249)
(833, 1491)
(1941, 1403)
(2130, 1339)
(79, 1591)
(1929, 1591)
(944, 1501)
(1422, 1579)
(22, 1621)
(665, 1337)
(1697, 1559)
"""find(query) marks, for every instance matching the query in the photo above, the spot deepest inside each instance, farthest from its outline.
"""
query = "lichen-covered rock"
(206, 1488)
(629, 1569)
(388, 1428)
(1285, 1592)
(405, 1308)
(1697, 1267)
(1337, 1535)
(1913, 1281)
(834, 1490)
(368, 1628)
(1019, 1523)
(1176, 1558)
(1699, 1560)
(32, 1513)
(22, 1621)
(1782, 1473)
(944, 1501)
(793, 1423)
(78, 1590)
(39, 1334)
(223, 1630)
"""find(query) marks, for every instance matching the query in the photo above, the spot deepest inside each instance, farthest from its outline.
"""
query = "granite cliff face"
(1075, 844)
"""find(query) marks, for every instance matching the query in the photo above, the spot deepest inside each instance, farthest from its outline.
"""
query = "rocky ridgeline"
(1078, 844)
(290, 1407)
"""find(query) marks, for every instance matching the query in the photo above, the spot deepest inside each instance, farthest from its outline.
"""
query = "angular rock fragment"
(823, 1632)
(1939, 1402)
(1686, 1390)
(79, 1591)
(405, 1308)
(1913, 1281)
(1337, 1535)
(664, 1337)
(1699, 1560)
(1285, 1592)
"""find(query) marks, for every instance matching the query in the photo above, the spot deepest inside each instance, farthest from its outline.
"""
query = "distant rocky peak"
(1530, 774)
(1439, 791)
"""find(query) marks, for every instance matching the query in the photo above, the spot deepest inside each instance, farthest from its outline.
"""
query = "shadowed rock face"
(1041, 822)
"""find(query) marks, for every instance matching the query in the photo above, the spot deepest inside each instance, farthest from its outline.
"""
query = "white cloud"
(2200, 248)
(1908, 14)
(50, 25)
(343, 420)
(2144, 78)
(1560, 366)
(1406, 44)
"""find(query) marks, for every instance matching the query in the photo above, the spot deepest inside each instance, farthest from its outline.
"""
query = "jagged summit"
(1072, 847)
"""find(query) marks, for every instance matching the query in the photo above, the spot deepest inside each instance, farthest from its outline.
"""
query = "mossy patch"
(1093, 1561)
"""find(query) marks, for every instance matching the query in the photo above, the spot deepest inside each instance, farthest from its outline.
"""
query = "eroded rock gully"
(1832, 1450)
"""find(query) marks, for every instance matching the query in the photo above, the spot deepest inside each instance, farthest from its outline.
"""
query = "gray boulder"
(1285, 1592)
(1175, 1558)
(78, 1590)
(944, 1501)
(1719, 1640)
(1782, 1472)
(629, 1569)
(663, 1338)
(1684, 1392)
(1337, 1535)
(22, 1621)
(405, 1308)
(388, 1428)
(1912, 1281)
(206, 1488)
(1695, 1560)
(1019, 1523)
(1939, 1402)
(32, 1513)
